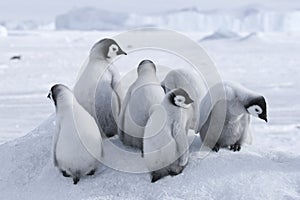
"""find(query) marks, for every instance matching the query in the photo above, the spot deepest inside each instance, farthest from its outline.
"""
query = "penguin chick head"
(258, 108)
(146, 65)
(106, 49)
(59, 92)
(179, 97)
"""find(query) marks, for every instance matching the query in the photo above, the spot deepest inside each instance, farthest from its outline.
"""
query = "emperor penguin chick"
(192, 83)
(141, 95)
(165, 142)
(77, 141)
(239, 104)
(96, 88)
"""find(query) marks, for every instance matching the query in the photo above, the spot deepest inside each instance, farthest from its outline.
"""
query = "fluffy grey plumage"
(77, 143)
(165, 142)
(238, 105)
(192, 83)
(140, 97)
(95, 89)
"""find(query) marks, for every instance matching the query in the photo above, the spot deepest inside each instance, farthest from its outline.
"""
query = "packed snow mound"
(253, 173)
(245, 19)
(3, 31)
(251, 37)
(221, 34)
(90, 19)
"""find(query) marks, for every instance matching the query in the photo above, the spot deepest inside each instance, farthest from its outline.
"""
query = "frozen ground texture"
(268, 169)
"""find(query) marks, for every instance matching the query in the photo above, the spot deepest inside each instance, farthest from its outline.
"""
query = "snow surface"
(268, 169)
(3, 31)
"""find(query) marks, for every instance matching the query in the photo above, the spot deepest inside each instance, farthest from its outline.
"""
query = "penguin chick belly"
(159, 150)
(71, 155)
(231, 133)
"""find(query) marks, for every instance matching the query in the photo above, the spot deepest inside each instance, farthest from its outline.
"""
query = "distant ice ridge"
(28, 25)
(91, 19)
(221, 34)
(248, 19)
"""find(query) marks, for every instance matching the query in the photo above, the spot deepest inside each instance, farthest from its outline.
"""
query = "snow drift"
(27, 171)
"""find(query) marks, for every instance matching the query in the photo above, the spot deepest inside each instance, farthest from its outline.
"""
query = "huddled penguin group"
(154, 117)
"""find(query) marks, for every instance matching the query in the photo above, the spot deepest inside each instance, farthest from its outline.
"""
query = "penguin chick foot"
(176, 170)
(235, 147)
(65, 174)
(155, 176)
(216, 148)
(92, 172)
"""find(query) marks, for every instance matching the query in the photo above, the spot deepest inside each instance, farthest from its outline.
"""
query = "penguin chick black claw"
(216, 148)
(235, 147)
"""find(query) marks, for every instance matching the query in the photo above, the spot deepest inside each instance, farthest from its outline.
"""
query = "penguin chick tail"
(76, 177)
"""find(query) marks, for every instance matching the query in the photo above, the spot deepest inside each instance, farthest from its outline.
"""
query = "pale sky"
(47, 10)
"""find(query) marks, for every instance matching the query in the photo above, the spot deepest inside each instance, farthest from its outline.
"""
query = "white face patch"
(255, 110)
(180, 101)
(112, 51)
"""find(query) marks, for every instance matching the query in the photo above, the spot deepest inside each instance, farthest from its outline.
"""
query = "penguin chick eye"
(255, 110)
(179, 99)
(114, 48)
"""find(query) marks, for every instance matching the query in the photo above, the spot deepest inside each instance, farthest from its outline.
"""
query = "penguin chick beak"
(263, 117)
(120, 52)
(49, 96)
(189, 101)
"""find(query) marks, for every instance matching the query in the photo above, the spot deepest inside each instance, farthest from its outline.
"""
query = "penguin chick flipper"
(235, 147)
(216, 148)
(180, 136)
(55, 138)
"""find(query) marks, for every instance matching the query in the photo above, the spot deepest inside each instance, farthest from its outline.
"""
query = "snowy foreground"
(267, 169)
